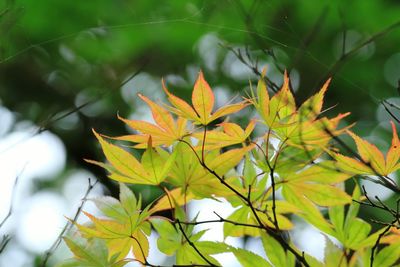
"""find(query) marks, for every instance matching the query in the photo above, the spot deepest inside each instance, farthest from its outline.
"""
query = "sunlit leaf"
(122, 233)
(203, 104)
(250, 259)
(372, 159)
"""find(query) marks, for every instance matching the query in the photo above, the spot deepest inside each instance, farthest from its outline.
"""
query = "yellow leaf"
(282, 105)
(167, 201)
(203, 103)
(372, 159)
(165, 132)
(228, 160)
(123, 162)
(181, 107)
(393, 155)
(162, 117)
(232, 134)
(370, 154)
(325, 172)
(263, 98)
(311, 108)
(350, 165)
(202, 99)
(227, 109)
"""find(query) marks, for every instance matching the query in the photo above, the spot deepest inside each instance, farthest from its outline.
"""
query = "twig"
(343, 59)
(377, 244)
(68, 225)
(248, 202)
(194, 246)
(10, 209)
(388, 111)
(4, 242)
(46, 124)
(223, 220)
(254, 68)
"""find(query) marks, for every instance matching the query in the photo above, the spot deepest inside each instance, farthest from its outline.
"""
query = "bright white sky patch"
(310, 240)
(41, 221)
(35, 220)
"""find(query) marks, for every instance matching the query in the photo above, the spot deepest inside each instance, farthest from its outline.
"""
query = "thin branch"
(253, 67)
(194, 246)
(343, 59)
(304, 44)
(221, 219)
(384, 102)
(10, 209)
(68, 225)
(377, 244)
(248, 202)
(4, 242)
(46, 124)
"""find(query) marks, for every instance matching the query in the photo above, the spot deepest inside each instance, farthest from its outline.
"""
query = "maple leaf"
(373, 161)
(232, 134)
(125, 227)
(153, 168)
(90, 253)
(277, 110)
(172, 241)
(245, 215)
(350, 231)
(308, 134)
(188, 173)
(315, 185)
(203, 104)
(165, 132)
(297, 127)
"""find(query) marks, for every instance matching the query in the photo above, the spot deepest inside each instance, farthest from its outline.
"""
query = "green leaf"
(111, 207)
(336, 216)
(249, 171)
(90, 253)
(250, 259)
(158, 167)
(274, 251)
(309, 211)
(211, 248)
(169, 241)
(334, 257)
(387, 256)
(128, 199)
(356, 232)
(354, 206)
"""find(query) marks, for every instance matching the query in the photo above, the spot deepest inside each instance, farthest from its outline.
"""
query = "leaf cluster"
(283, 164)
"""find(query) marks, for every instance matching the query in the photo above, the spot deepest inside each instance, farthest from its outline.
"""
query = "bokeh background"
(69, 66)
